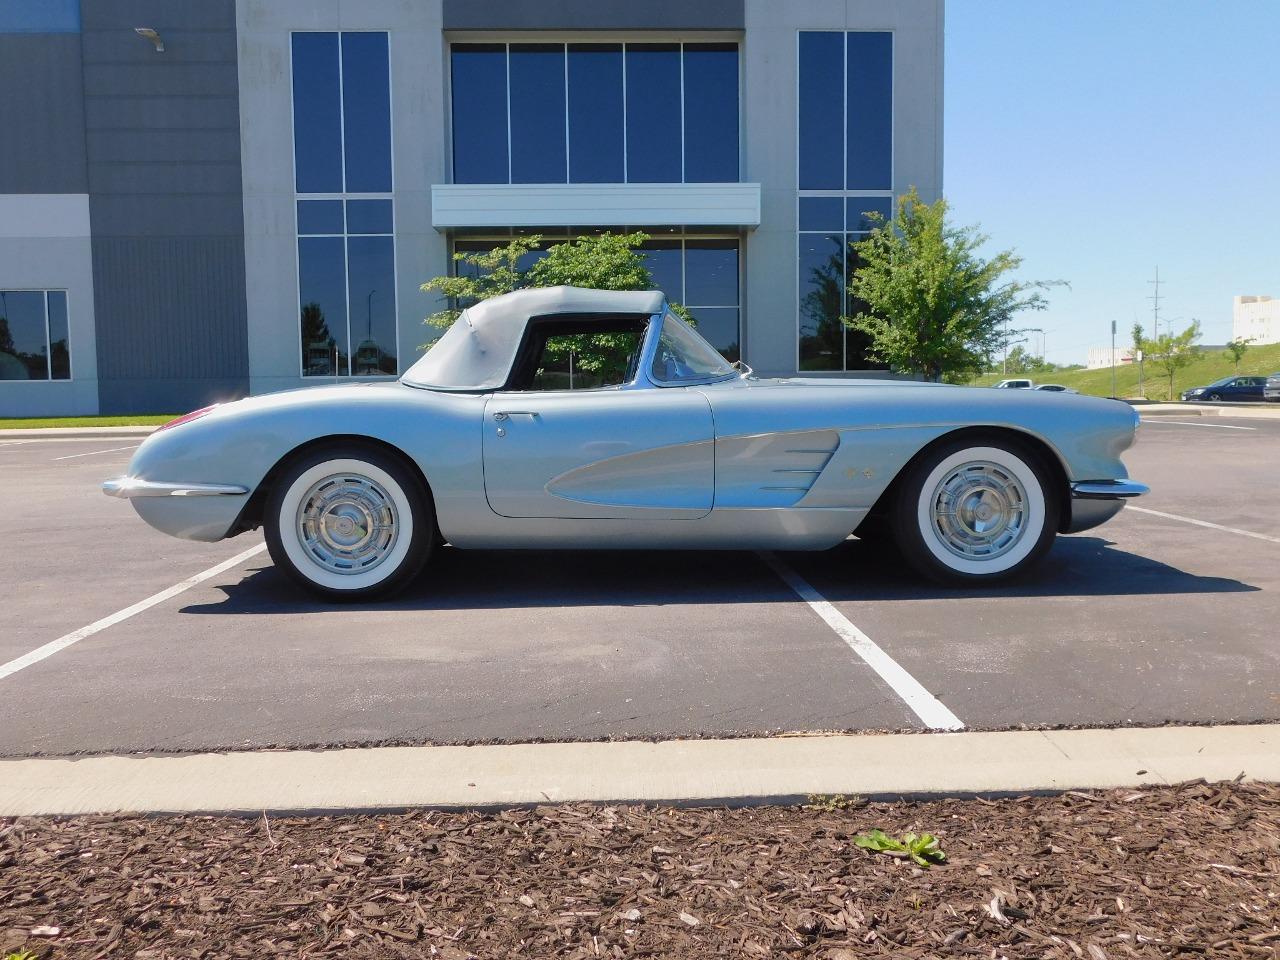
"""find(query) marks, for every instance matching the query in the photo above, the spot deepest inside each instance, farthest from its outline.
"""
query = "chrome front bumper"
(127, 488)
(1094, 502)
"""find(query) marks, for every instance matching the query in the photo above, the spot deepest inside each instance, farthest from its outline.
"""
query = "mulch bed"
(1192, 870)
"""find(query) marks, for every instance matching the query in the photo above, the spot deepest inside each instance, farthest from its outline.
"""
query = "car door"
(642, 453)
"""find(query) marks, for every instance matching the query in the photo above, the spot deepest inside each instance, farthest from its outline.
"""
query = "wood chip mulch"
(1188, 871)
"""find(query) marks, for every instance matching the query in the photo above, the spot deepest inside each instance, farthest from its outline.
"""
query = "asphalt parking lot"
(1149, 619)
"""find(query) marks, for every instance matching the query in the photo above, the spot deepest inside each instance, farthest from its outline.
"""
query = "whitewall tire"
(349, 522)
(975, 511)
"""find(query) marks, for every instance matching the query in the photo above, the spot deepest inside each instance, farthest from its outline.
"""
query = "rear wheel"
(975, 512)
(349, 522)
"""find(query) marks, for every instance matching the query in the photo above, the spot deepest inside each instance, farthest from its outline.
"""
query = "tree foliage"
(1021, 361)
(1236, 350)
(933, 304)
(1170, 352)
(604, 261)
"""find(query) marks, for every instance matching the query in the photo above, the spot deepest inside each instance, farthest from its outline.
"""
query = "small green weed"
(922, 849)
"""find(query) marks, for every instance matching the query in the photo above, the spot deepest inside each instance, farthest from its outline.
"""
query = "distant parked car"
(1015, 385)
(1272, 390)
(1228, 388)
(1056, 388)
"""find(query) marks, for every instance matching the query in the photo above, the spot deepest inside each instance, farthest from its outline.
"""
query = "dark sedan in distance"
(1228, 388)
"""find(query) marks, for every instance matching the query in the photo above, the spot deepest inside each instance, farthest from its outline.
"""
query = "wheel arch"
(1043, 451)
(251, 516)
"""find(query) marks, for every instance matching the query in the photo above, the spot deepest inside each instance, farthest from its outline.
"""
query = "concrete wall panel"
(593, 15)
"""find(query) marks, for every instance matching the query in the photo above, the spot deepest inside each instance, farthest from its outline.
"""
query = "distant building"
(1100, 357)
(1256, 319)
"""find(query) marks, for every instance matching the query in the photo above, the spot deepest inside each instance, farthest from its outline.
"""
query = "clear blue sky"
(1100, 138)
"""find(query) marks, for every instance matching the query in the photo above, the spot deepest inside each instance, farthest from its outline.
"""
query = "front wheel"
(968, 512)
(1214, 397)
(349, 523)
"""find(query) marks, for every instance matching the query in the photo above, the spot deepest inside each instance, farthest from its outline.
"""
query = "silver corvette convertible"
(490, 442)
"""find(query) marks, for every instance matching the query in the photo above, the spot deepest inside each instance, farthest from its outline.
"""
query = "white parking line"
(13, 443)
(931, 711)
(72, 456)
(1206, 523)
(53, 646)
(1189, 423)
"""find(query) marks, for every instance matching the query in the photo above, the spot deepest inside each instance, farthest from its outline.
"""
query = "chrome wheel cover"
(979, 510)
(347, 523)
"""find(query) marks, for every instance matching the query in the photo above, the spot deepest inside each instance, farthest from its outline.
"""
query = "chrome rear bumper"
(126, 488)
(1108, 490)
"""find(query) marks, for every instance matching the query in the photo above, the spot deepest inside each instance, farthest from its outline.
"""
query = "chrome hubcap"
(347, 524)
(979, 510)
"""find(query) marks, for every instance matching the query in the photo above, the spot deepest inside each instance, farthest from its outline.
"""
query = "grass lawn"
(29, 423)
(1210, 365)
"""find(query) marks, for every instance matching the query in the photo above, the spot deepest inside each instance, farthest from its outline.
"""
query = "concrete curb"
(1199, 410)
(76, 433)
(677, 772)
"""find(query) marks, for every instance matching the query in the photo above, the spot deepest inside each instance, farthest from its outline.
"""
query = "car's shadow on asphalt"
(854, 571)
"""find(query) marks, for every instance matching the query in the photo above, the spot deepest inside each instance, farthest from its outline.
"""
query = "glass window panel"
(595, 113)
(59, 336)
(821, 213)
(719, 327)
(821, 294)
(821, 102)
(368, 216)
(870, 112)
(857, 208)
(320, 216)
(856, 343)
(371, 279)
(665, 261)
(23, 343)
(710, 112)
(711, 272)
(653, 113)
(317, 123)
(322, 290)
(366, 112)
(479, 78)
(537, 113)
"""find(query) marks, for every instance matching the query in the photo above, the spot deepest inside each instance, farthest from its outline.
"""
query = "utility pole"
(1155, 299)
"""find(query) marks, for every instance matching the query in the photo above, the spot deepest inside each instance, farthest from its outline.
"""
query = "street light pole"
(1113, 360)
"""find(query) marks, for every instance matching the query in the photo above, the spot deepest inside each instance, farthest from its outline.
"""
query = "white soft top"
(477, 352)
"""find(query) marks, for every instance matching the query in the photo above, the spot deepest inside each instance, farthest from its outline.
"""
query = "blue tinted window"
(821, 105)
(719, 327)
(319, 216)
(59, 336)
(23, 344)
(870, 111)
(595, 113)
(821, 293)
(653, 113)
(710, 112)
(665, 261)
(371, 280)
(858, 207)
(322, 288)
(366, 112)
(46, 16)
(368, 216)
(537, 113)
(317, 123)
(711, 272)
(480, 113)
(821, 213)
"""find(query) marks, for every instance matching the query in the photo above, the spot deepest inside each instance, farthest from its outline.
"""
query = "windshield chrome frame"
(650, 350)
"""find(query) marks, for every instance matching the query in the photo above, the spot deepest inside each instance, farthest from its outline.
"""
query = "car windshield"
(683, 355)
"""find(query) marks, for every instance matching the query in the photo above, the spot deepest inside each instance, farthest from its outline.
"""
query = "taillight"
(188, 417)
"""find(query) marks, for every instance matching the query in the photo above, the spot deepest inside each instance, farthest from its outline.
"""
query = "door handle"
(505, 414)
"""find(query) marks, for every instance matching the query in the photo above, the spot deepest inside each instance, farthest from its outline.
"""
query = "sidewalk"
(1255, 410)
(75, 433)
(691, 772)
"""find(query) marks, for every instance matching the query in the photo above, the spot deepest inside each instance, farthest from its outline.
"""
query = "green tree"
(605, 261)
(1170, 352)
(932, 304)
(1236, 350)
(1139, 338)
